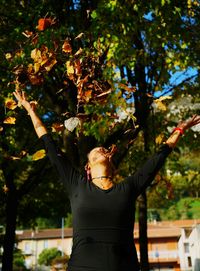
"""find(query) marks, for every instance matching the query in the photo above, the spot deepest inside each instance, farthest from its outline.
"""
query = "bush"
(47, 255)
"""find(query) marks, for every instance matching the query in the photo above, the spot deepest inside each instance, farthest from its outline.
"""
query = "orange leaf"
(9, 120)
(57, 127)
(44, 23)
(49, 65)
(39, 155)
(66, 48)
(1, 128)
(10, 104)
(127, 88)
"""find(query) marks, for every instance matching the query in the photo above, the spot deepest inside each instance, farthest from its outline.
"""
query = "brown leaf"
(10, 104)
(127, 88)
(66, 48)
(57, 127)
(27, 33)
(10, 120)
(77, 67)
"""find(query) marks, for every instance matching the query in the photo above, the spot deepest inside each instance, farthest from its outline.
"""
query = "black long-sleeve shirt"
(103, 220)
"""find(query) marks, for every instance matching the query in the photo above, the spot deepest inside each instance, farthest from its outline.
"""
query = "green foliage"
(19, 261)
(48, 255)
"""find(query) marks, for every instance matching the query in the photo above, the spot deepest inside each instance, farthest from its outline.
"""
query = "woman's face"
(99, 155)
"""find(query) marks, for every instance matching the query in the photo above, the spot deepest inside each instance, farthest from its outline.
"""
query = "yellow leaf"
(36, 67)
(159, 138)
(8, 56)
(9, 120)
(1, 128)
(10, 104)
(70, 68)
(36, 55)
(39, 155)
(80, 50)
(160, 105)
(5, 189)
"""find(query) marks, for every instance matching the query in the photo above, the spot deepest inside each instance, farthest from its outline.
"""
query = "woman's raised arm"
(39, 127)
(180, 129)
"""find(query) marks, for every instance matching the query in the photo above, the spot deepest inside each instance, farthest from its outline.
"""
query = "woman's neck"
(102, 177)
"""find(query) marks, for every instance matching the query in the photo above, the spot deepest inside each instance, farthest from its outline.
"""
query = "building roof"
(164, 229)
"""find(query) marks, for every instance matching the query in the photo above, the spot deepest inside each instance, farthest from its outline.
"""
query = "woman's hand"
(181, 128)
(22, 100)
(185, 125)
(39, 127)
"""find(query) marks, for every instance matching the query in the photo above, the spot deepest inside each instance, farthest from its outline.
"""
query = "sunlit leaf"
(66, 48)
(71, 123)
(127, 88)
(1, 128)
(5, 189)
(70, 68)
(159, 102)
(159, 138)
(49, 65)
(44, 23)
(8, 56)
(57, 127)
(10, 120)
(27, 33)
(79, 52)
(79, 36)
(10, 104)
(39, 155)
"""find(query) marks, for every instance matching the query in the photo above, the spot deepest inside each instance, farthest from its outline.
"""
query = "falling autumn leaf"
(10, 120)
(8, 56)
(44, 23)
(79, 36)
(39, 155)
(79, 52)
(159, 138)
(66, 48)
(5, 189)
(57, 127)
(160, 105)
(27, 33)
(127, 88)
(71, 123)
(10, 104)
(70, 68)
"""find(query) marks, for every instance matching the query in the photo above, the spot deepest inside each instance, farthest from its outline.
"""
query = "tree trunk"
(9, 238)
(143, 240)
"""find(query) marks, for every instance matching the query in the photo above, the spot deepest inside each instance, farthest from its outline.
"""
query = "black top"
(103, 220)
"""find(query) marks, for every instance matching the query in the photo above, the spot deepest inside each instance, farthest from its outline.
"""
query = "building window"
(189, 262)
(27, 248)
(186, 248)
(45, 243)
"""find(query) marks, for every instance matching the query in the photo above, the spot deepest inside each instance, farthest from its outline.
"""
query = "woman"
(103, 212)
